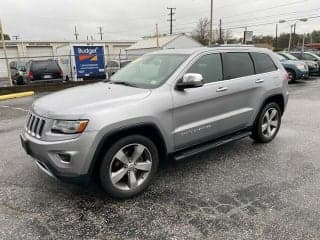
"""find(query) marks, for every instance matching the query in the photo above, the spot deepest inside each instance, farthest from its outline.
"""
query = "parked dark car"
(295, 69)
(18, 72)
(115, 65)
(43, 70)
(307, 56)
(312, 65)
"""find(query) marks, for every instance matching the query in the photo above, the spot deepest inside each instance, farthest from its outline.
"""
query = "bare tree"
(201, 32)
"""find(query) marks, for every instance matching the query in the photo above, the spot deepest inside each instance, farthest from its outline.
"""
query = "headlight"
(69, 126)
(301, 66)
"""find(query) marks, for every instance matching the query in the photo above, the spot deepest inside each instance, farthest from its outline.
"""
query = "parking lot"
(240, 190)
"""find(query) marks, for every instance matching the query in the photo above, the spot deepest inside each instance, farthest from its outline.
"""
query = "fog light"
(65, 157)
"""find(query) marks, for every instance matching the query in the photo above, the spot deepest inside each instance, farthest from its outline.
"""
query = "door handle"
(259, 81)
(222, 89)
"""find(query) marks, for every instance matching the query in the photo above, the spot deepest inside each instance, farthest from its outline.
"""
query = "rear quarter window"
(263, 63)
(237, 64)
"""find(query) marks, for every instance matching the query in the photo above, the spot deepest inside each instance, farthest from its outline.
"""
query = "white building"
(27, 50)
(166, 42)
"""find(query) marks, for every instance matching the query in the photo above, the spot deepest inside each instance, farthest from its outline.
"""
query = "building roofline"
(70, 41)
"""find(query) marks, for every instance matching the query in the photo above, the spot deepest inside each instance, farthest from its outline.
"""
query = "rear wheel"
(129, 166)
(267, 123)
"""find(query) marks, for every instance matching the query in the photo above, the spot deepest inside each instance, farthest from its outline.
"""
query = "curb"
(16, 95)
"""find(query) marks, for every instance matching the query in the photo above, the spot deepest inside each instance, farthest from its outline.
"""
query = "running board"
(210, 145)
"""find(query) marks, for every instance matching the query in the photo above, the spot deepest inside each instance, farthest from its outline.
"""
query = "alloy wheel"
(270, 122)
(130, 167)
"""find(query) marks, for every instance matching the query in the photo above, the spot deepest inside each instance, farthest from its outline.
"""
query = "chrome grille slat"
(38, 128)
(34, 125)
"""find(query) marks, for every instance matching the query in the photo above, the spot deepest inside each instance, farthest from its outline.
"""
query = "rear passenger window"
(209, 66)
(237, 65)
(263, 63)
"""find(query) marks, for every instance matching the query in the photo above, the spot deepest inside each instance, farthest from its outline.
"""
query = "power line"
(251, 11)
(310, 18)
(171, 17)
(296, 13)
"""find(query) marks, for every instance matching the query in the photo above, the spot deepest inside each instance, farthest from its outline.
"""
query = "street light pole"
(276, 43)
(290, 38)
(211, 20)
(291, 26)
(5, 53)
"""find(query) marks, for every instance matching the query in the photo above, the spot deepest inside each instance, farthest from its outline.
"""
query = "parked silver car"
(174, 103)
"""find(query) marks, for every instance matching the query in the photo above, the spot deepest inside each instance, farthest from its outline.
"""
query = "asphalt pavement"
(240, 190)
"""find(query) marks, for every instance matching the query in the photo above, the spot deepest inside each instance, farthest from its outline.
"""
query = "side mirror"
(190, 80)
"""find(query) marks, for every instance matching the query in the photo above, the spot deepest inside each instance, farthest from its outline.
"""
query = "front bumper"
(48, 156)
(302, 74)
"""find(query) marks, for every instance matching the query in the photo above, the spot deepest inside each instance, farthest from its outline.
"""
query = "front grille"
(34, 125)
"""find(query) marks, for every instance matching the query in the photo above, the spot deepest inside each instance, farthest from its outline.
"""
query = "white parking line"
(15, 108)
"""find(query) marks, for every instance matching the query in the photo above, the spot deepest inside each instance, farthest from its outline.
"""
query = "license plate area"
(47, 76)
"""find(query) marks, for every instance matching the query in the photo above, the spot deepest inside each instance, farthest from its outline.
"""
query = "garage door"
(40, 52)
(12, 53)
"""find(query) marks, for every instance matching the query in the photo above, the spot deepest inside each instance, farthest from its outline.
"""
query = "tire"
(132, 174)
(266, 129)
(20, 81)
(292, 75)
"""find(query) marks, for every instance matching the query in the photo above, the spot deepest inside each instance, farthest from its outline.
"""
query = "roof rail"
(233, 45)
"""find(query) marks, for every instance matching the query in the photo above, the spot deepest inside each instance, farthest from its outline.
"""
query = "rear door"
(221, 106)
(267, 78)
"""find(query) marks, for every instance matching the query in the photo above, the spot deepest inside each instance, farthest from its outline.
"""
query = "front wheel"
(267, 123)
(292, 76)
(129, 166)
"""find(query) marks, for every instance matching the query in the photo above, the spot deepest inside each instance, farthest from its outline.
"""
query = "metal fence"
(65, 61)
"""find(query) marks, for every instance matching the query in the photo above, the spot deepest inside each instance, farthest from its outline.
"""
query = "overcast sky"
(132, 19)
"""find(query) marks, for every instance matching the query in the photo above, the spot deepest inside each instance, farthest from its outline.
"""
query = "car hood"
(80, 101)
(291, 62)
(309, 62)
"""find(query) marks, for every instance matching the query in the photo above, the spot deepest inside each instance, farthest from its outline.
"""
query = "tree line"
(202, 32)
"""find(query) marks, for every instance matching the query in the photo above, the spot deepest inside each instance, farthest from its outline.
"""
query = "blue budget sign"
(89, 61)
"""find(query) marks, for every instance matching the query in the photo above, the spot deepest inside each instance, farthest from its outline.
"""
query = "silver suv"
(172, 103)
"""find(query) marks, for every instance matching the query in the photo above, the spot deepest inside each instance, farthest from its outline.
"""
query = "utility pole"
(76, 34)
(171, 18)
(5, 53)
(294, 35)
(302, 49)
(157, 35)
(276, 43)
(211, 21)
(100, 33)
(290, 38)
(220, 30)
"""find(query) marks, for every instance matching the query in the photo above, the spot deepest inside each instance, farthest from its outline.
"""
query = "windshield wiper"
(123, 83)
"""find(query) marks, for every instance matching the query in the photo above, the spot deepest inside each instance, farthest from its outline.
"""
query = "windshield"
(280, 57)
(289, 56)
(312, 56)
(149, 71)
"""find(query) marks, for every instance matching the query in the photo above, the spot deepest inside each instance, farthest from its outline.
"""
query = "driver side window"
(209, 66)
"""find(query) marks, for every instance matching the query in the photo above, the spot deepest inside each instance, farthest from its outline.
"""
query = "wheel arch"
(277, 98)
(149, 130)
